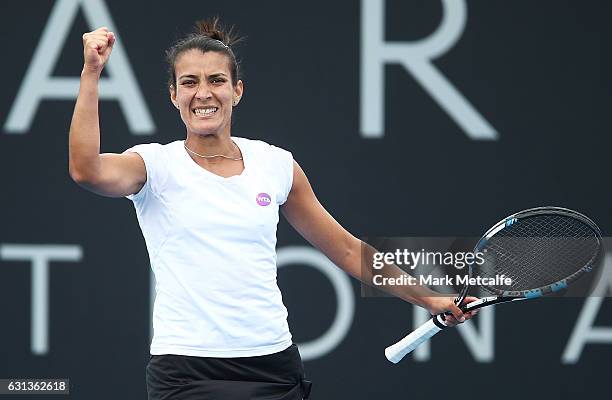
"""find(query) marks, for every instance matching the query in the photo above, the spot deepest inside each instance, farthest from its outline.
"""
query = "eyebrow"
(187, 76)
(217, 75)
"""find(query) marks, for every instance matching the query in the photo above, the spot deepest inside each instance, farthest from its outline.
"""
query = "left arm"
(306, 214)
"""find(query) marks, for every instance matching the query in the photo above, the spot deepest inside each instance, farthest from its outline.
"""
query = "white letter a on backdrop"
(585, 331)
(38, 84)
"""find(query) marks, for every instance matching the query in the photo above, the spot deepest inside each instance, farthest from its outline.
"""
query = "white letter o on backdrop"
(345, 309)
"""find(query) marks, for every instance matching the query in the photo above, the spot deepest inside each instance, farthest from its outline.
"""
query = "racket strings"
(537, 251)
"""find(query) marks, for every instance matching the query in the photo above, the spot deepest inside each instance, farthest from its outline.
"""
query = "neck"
(209, 145)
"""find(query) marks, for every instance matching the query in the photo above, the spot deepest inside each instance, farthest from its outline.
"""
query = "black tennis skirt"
(278, 376)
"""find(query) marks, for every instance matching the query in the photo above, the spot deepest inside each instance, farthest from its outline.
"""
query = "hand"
(97, 47)
(439, 305)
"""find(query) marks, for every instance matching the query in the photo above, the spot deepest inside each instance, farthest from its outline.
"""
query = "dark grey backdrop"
(534, 70)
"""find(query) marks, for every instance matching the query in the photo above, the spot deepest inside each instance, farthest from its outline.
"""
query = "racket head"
(542, 250)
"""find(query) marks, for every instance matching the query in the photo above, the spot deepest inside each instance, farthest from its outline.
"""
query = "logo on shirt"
(263, 199)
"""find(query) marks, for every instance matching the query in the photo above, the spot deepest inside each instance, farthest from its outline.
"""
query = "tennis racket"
(542, 250)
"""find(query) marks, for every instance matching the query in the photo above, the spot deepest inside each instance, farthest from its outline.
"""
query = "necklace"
(214, 155)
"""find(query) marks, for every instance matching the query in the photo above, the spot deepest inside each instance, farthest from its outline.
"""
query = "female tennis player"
(208, 209)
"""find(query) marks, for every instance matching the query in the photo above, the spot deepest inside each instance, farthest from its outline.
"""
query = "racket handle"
(396, 352)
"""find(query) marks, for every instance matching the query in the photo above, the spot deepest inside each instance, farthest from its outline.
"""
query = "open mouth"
(205, 111)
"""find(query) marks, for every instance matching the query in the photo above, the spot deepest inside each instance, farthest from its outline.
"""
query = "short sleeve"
(285, 172)
(152, 157)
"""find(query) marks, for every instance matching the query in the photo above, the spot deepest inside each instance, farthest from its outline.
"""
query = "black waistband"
(274, 376)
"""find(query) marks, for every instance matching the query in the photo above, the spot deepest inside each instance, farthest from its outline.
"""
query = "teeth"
(205, 110)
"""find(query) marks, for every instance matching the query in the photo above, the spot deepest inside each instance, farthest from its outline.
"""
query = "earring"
(177, 106)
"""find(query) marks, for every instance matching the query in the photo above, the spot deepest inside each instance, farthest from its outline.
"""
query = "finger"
(98, 36)
(470, 315)
(457, 313)
(89, 39)
(101, 38)
(450, 321)
(96, 45)
(111, 38)
(91, 45)
(469, 299)
(99, 31)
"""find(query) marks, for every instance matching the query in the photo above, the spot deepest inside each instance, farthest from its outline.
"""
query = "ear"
(238, 91)
(173, 96)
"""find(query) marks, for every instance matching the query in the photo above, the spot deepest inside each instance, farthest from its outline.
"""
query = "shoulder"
(261, 148)
(274, 162)
(156, 151)
(155, 147)
(157, 159)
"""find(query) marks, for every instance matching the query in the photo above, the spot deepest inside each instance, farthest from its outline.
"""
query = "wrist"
(427, 303)
(422, 296)
(91, 73)
(428, 300)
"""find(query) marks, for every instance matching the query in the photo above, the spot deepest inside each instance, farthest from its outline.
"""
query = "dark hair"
(208, 35)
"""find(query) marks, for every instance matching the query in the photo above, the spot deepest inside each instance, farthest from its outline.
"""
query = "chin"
(204, 134)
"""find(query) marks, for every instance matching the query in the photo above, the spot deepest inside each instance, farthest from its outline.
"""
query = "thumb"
(91, 52)
(456, 311)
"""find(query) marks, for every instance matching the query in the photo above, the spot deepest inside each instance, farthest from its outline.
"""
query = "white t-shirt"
(211, 243)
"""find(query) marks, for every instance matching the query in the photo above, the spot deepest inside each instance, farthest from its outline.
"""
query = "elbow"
(75, 173)
(350, 258)
(84, 171)
(80, 176)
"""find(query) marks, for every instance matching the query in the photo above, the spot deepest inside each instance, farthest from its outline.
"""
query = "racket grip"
(396, 352)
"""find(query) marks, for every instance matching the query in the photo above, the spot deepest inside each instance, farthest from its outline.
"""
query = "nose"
(203, 91)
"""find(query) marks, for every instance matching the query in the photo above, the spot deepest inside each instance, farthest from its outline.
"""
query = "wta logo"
(263, 199)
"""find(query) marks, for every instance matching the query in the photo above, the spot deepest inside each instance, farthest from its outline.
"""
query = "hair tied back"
(208, 35)
(215, 30)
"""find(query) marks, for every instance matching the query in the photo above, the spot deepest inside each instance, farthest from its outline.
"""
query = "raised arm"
(306, 214)
(112, 175)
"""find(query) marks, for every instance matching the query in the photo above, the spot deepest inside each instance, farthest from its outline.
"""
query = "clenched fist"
(97, 47)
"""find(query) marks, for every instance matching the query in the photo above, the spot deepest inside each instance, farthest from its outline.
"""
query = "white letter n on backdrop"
(480, 339)
(38, 83)
(417, 58)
